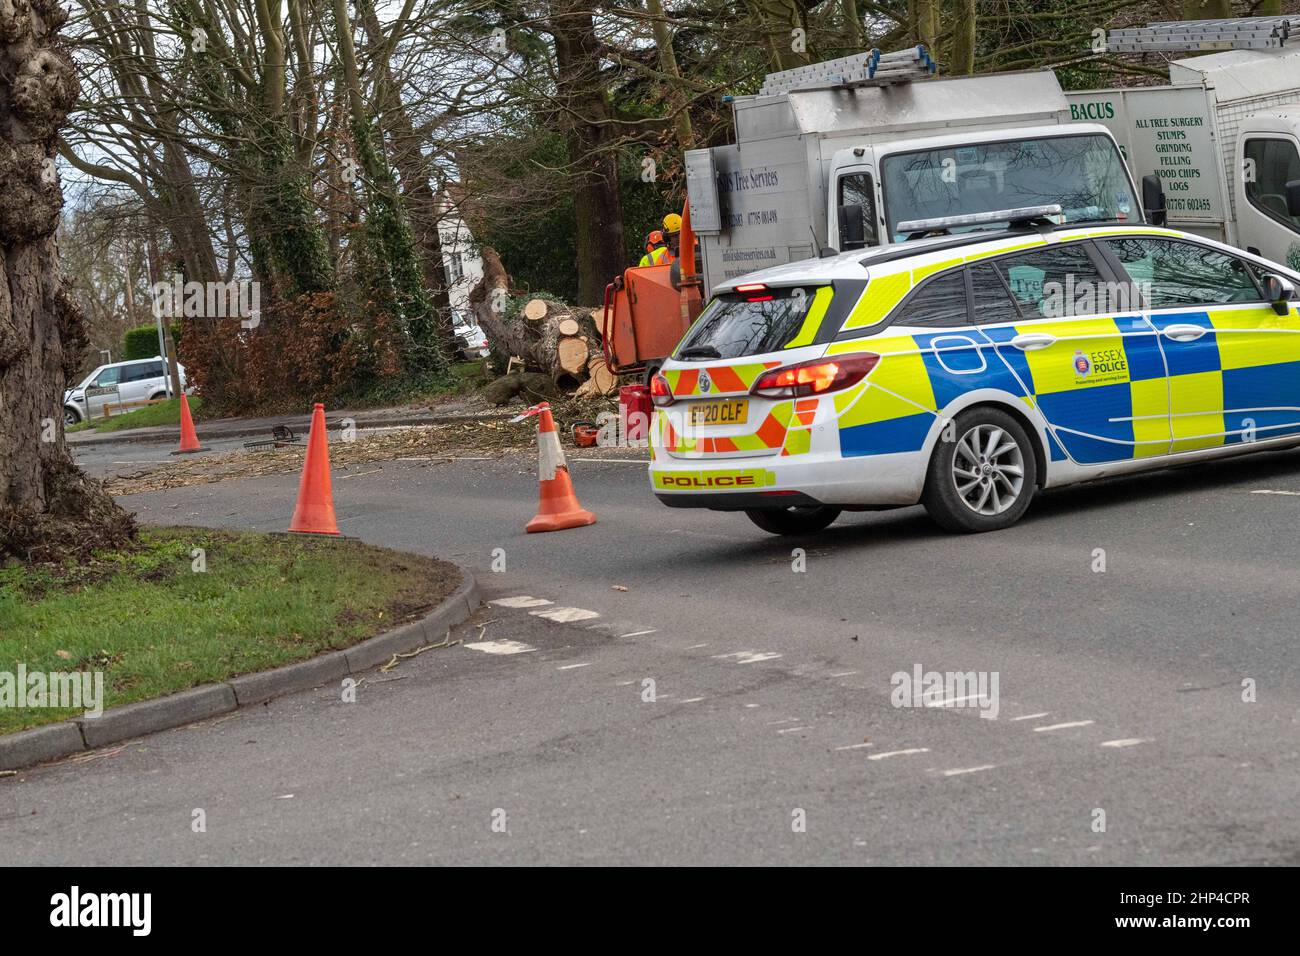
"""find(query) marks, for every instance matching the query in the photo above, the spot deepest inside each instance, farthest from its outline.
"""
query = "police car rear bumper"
(740, 501)
(743, 483)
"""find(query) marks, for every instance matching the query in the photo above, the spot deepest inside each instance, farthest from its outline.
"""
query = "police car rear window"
(736, 324)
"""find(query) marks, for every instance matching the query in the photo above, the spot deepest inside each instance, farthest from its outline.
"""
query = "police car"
(968, 370)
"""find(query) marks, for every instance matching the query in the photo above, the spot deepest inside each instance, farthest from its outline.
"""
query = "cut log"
(571, 354)
(535, 310)
(606, 381)
(569, 327)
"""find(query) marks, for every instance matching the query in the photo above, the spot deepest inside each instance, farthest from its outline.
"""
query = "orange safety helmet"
(655, 238)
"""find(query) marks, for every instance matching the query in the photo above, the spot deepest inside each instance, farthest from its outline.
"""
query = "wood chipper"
(649, 308)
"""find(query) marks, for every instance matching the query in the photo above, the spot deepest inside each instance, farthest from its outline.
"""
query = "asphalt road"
(768, 734)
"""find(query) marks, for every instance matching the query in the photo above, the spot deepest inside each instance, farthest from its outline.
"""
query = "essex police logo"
(1082, 364)
(706, 383)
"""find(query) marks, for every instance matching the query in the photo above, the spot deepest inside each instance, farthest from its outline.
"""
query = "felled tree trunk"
(552, 338)
(48, 508)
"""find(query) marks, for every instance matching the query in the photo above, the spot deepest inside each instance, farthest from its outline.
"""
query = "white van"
(118, 382)
(1224, 140)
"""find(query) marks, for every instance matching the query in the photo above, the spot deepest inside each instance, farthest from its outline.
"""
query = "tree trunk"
(962, 62)
(925, 25)
(852, 24)
(415, 172)
(588, 118)
(48, 508)
(1207, 9)
(668, 66)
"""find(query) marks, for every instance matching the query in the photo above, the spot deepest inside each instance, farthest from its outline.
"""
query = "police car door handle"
(1185, 333)
(1028, 341)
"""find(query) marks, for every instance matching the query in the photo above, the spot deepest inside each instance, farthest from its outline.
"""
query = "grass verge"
(164, 413)
(155, 625)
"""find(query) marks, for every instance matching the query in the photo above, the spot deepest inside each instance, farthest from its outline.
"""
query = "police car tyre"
(801, 519)
(985, 479)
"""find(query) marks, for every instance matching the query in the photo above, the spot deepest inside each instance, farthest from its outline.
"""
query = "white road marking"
(1126, 742)
(1270, 491)
(751, 705)
(501, 647)
(854, 746)
(640, 633)
(790, 730)
(694, 646)
(1072, 723)
(961, 770)
(899, 753)
(1032, 716)
(520, 600)
(948, 702)
(570, 667)
(625, 683)
(783, 720)
(844, 673)
(748, 657)
(692, 700)
(565, 615)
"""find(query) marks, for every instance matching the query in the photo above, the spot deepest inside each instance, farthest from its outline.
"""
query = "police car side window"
(1171, 273)
(991, 303)
(1058, 281)
(940, 303)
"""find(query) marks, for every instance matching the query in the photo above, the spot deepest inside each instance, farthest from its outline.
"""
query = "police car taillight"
(661, 392)
(815, 377)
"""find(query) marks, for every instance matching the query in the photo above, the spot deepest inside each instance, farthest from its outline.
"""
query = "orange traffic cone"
(559, 507)
(314, 513)
(189, 438)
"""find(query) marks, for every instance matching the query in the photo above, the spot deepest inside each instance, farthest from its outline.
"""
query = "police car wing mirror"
(1153, 200)
(1279, 290)
(853, 228)
(1293, 197)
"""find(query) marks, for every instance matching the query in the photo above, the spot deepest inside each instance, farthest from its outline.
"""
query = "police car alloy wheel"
(984, 479)
(803, 519)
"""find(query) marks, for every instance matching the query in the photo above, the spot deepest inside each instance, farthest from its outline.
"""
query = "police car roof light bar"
(1019, 216)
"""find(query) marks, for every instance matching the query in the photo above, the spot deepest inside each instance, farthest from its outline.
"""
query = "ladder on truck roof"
(1178, 36)
(872, 68)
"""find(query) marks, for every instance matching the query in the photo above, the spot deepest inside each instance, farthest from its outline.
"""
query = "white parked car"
(471, 341)
(116, 383)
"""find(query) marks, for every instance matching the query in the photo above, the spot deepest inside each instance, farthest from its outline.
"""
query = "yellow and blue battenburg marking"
(1109, 389)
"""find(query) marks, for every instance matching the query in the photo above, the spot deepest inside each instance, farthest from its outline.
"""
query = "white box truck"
(825, 160)
(1224, 139)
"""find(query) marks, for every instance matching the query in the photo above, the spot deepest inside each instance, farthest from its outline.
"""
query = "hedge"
(142, 341)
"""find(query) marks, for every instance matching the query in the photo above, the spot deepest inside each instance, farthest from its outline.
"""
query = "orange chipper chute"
(649, 308)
